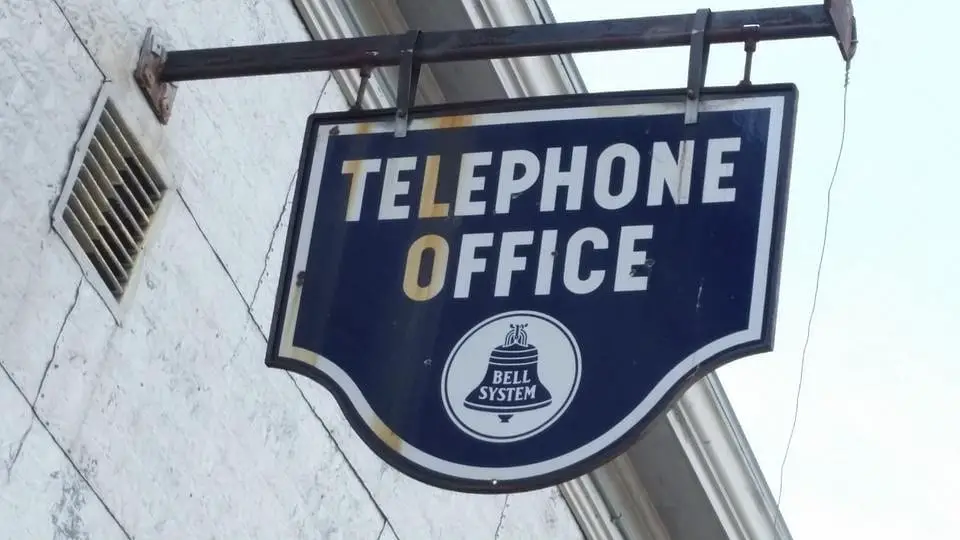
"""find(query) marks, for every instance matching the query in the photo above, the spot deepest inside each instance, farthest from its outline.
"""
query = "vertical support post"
(365, 72)
(407, 83)
(697, 68)
(749, 47)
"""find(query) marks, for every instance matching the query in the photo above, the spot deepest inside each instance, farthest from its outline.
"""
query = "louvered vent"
(114, 196)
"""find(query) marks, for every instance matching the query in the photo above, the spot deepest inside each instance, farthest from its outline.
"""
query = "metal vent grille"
(114, 196)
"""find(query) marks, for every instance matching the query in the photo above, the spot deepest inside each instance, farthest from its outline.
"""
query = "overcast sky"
(876, 453)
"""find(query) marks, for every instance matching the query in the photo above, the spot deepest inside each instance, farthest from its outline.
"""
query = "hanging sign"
(506, 296)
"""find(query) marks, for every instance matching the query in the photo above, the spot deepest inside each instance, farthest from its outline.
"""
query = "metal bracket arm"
(158, 69)
(830, 19)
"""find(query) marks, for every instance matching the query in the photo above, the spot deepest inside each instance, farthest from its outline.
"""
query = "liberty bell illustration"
(511, 384)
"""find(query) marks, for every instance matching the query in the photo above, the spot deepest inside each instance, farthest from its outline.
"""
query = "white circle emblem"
(511, 376)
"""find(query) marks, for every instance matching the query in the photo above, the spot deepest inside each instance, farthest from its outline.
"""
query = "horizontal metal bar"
(502, 42)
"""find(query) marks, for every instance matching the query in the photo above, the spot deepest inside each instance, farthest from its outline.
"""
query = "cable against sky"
(816, 289)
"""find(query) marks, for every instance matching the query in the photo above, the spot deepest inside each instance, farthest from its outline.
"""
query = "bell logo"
(511, 384)
(511, 376)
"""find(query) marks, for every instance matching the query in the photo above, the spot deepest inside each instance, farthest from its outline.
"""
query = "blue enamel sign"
(506, 296)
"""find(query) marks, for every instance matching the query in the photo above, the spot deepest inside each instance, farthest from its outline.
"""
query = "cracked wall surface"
(168, 425)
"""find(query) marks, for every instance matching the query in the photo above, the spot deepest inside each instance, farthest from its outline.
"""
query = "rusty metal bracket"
(697, 69)
(159, 94)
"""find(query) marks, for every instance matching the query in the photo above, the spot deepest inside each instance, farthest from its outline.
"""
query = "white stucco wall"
(169, 425)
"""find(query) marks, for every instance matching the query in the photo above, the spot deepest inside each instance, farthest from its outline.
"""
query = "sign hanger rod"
(832, 18)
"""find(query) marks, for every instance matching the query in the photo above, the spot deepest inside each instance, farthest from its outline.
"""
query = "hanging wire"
(816, 290)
